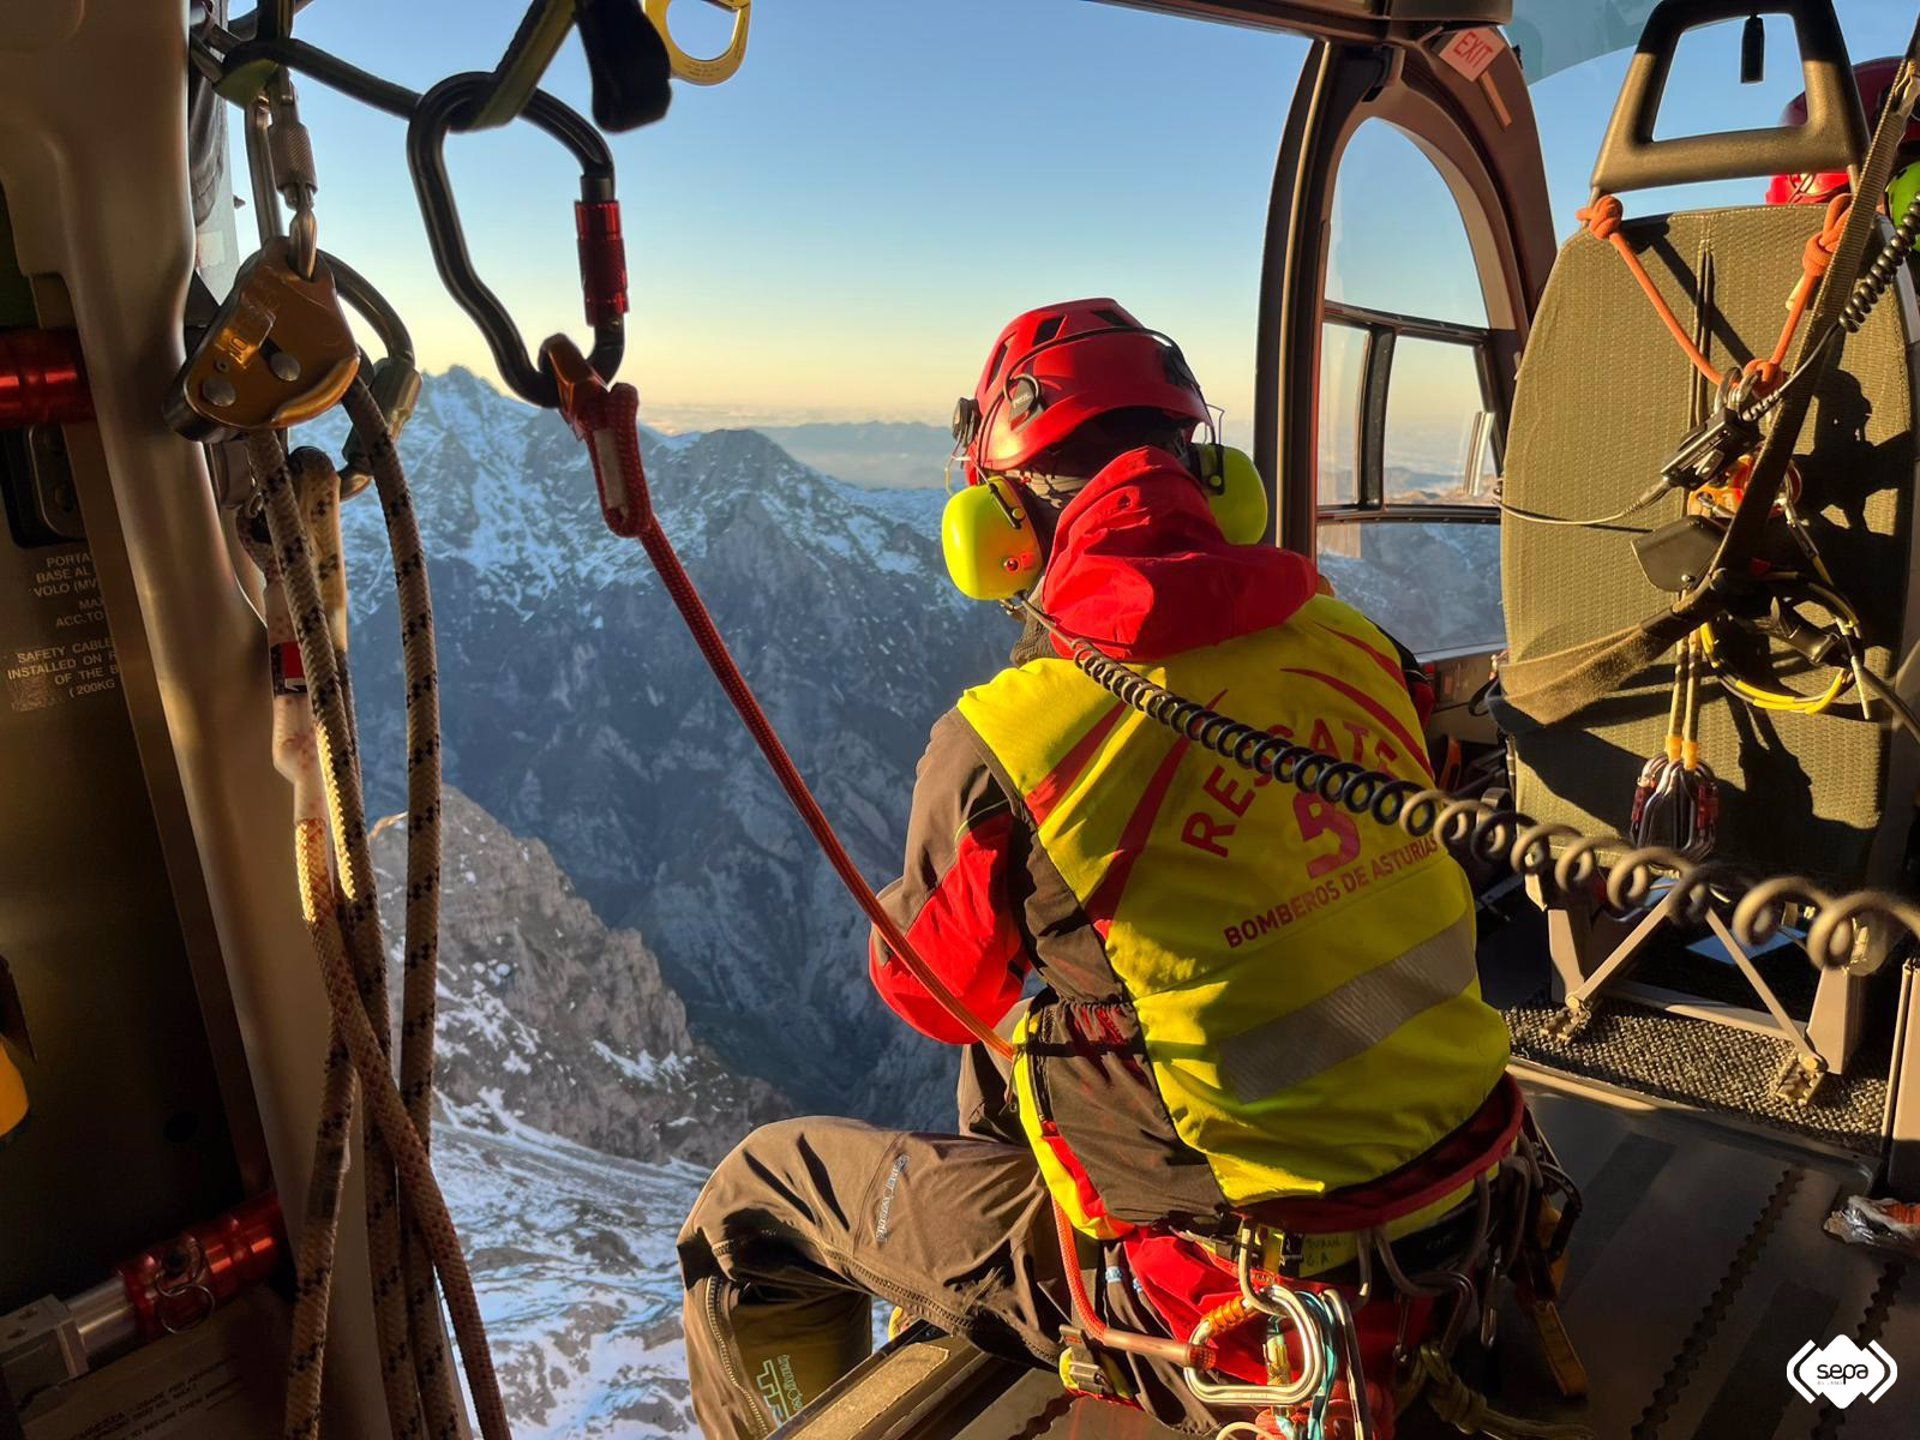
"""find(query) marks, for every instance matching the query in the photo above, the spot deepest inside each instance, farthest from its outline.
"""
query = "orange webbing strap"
(1602, 218)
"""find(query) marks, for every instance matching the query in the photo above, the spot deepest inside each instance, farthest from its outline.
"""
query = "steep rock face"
(578, 710)
(549, 1019)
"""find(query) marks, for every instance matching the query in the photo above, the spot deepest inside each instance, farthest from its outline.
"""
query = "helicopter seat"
(1604, 397)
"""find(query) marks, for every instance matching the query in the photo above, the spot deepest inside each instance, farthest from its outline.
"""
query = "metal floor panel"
(1797, 1289)
(1688, 1306)
(1698, 1270)
(1668, 1215)
(1897, 1417)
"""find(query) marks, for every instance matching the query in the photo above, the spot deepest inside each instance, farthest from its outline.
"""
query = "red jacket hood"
(1140, 568)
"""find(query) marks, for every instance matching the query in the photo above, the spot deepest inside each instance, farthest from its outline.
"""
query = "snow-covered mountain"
(578, 1118)
(550, 1020)
(578, 711)
(572, 1255)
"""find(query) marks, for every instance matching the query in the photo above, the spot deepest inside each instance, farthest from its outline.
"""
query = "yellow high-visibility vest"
(1301, 981)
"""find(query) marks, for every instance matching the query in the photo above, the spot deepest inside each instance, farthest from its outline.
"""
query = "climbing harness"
(1331, 1373)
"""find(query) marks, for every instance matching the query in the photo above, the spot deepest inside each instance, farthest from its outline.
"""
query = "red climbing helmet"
(1054, 369)
(1875, 78)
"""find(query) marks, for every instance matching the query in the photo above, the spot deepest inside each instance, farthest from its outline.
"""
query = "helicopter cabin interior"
(1717, 1074)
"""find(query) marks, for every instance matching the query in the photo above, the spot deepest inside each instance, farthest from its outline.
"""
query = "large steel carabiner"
(452, 105)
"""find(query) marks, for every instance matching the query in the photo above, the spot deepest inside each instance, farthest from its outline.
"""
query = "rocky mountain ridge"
(577, 710)
(549, 1019)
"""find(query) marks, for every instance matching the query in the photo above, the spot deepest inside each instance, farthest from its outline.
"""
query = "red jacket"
(1139, 567)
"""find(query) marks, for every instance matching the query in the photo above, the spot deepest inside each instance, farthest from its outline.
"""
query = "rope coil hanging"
(341, 905)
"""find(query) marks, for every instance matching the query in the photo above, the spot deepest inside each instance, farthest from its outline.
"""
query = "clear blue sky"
(840, 230)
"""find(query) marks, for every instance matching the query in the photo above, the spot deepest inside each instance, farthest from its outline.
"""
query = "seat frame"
(1593, 951)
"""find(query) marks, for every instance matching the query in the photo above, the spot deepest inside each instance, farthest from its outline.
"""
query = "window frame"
(1383, 330)
(1489, 157)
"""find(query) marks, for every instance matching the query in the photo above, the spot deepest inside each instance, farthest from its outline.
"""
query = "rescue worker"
(1873, 78)
(1245, 992)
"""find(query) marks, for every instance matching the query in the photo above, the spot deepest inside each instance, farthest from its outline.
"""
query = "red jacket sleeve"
(956, 898)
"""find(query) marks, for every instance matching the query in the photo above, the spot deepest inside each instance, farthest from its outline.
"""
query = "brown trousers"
(807, 1220)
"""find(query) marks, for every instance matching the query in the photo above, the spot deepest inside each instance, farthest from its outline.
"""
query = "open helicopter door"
(1397, 499)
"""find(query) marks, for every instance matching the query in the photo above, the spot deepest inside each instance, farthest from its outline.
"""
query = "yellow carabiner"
(691, 68)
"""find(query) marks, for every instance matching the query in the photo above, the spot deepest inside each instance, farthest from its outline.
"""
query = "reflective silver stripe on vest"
(1350, 1019)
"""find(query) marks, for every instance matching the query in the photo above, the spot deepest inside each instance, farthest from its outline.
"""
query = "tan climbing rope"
(317, 490)
(297, 757)
(318, 750)
(421, 947)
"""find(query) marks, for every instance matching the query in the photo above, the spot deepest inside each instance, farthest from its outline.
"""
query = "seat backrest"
(1604, 396)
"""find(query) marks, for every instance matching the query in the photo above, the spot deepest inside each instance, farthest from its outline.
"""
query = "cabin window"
(1575, 69)
(1409, 442)
(1343, 369)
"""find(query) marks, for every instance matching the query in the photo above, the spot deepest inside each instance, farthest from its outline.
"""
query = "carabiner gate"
(452, 105)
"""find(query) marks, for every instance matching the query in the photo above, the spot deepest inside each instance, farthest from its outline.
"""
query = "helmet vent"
(1048, 328)
(999, 360)
(1114, 317)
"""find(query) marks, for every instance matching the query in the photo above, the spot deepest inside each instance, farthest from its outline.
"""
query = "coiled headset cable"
(1562, 858)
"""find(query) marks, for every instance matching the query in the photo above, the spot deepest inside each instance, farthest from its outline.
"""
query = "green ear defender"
(1235, 492)
(992, 550)
(1901, 193)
